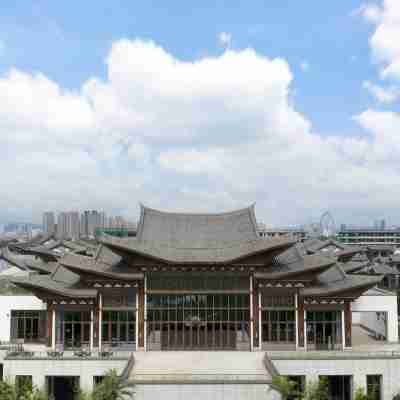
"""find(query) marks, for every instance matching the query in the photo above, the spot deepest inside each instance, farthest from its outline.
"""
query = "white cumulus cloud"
(210, 134)
(384, 42)
(383, 94)
(224, 39)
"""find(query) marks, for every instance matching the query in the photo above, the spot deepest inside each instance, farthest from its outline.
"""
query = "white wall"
(369, 319)
(206, 392)
(8, 303)
(386, 303)
(87, 369)
(357, 368)
(39, 369)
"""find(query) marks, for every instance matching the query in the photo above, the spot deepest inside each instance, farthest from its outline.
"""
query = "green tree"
(360, 394)
(113, 387)
(82, 395)
(35, 394)
(23, 387)
(317, 390)
(21, 390)
(7, 391)
(285, 386)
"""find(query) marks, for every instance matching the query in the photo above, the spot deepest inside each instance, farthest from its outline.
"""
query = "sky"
(201, 106)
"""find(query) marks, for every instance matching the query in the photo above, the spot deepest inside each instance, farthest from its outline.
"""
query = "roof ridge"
(199, 214)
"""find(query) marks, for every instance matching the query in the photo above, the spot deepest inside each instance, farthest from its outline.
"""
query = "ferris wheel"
(327, 224)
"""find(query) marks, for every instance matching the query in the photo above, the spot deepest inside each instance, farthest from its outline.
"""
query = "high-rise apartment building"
(49, 222)
(73, 225)
(90, 221)
(62, 222)
(380, 224)
(68, 225)
(103, 219)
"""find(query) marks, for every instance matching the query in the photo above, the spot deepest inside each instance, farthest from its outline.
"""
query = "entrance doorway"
(62, 387)
(198, 321)
(339, 386)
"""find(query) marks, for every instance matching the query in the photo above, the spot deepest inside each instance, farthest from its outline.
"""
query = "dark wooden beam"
(141, 316)
(50, 309)
(256, 314)
(300, 321)
(347, 323)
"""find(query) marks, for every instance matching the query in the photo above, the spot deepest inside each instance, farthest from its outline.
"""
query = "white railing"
(328, 355)
(67, 355)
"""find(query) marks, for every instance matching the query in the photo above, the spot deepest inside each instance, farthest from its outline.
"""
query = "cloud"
(371, 12)
(304, 65)
(384, 42)
(386, 95)
(224, 39)
(199, 135)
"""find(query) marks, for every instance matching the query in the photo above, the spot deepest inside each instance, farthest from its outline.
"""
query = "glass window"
(278, 319)
(73, 328)
(28, 325)
(324, 330)
(374, 387)
(195, 321)
(119, 327)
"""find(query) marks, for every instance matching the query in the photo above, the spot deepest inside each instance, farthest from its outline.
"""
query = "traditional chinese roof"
(197, 238)
(306, 265)
(12, 259)
(174, 239)
(335, 282)
(98, 267)
(379, 269)
(315, 245)
(61, 282)
(197, 230)
(354, 266)
(219, 253)
(37, 240)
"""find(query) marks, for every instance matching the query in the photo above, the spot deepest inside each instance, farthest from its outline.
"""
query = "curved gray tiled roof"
(197, 238)
(225, 238)
(197, 230)
(305, 265)
(216, 252)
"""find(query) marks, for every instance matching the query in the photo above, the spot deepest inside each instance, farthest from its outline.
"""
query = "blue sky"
(68, 42)
(333, 67)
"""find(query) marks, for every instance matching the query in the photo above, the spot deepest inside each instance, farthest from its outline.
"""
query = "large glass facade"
(73, 328)
(324, 330)
(119, 328)
(196, 321)
(278, 326)
(28, 325)
(278, 320)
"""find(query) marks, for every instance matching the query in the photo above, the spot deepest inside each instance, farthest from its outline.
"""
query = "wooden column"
(91, 329)
(141, 332)
(347, 323)
(50, 308)
(100, 321)
(96, 326)
(256, 315)
(300, 321)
